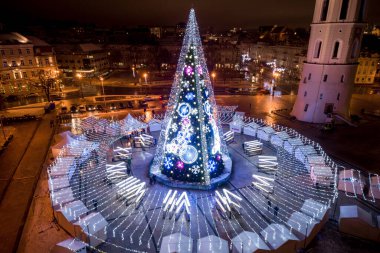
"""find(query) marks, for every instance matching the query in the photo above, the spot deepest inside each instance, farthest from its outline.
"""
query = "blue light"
(190, 96)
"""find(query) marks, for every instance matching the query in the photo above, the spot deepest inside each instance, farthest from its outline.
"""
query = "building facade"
(367, 69)
(329, 70)
(87, 60)
(23, 59)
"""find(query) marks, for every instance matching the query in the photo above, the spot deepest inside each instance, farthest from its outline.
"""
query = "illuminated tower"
(191, 151)
(328, 74)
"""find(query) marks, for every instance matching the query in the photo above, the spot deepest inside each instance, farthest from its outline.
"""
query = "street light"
(146, 84)
(79, 76)
(145, 76)
(213, 75)
(104, 95)
(133, 72)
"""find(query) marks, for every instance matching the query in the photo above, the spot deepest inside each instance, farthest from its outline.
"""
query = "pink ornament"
(180, 165)
(188, 70)
(200, 71)
(186, 121)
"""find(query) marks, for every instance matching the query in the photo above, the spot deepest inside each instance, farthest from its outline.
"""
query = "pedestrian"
(128, 171)
(150, 180)
(275, 211)
(154, 179)
(153, 112)
(95, 203)
(269, 204)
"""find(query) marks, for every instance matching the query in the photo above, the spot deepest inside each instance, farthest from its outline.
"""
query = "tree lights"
(190, 148)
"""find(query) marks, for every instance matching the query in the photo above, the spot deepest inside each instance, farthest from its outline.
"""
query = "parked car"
(73, 109)
(63, 109)
(82, 109)
(113, 107)
(32, 95)
(99, 108)
(129, 104)
(55, 97)
(90, 108)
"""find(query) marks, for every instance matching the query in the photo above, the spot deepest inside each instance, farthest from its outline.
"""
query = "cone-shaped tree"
(190, 147)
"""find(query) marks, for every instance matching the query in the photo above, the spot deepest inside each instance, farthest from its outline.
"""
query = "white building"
(332, 58)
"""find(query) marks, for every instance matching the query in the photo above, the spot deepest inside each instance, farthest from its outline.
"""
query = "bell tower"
(328, 74)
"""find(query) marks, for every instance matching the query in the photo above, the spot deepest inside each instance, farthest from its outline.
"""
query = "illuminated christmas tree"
(191, 147)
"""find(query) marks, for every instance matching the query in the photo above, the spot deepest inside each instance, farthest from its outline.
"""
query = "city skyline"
(247, 14)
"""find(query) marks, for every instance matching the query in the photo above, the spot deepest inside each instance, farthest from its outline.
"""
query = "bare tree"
(44, 83)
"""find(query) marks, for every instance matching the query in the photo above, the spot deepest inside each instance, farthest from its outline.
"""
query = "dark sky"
(216, 13)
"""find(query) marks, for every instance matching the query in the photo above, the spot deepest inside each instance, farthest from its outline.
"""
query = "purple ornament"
(200, 71)
(188, 70)
(218, 157)
(185, 121)
(180, 165)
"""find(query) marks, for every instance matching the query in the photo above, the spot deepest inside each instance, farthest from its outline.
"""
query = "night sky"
(216, 13)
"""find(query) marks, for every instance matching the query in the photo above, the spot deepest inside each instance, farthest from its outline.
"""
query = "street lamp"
(79, 76)
(213, 75)
(146, 84)
(145, 76)
(133, 72)
(104, 94)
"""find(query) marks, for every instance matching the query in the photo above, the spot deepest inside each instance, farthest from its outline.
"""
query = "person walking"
(95, 203)
(269, 204)
(275, 212)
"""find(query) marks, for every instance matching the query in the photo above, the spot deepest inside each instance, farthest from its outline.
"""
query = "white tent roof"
(316, 159)
(73, 210)
(302, 223)
(277, 235)
(314, 209)
(62, 196)
(212, 243)
(252, 125)
(154, 121)
(282, 135)
(306, 150)
(356, 212)
(92, 223)
(248, 242)
(72, 244)
(131, 124)
(61, 166)
(176, 243)
(294, 141)
(268, 130)
(59, 182)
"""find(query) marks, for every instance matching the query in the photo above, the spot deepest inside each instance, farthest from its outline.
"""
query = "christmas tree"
(191, 147)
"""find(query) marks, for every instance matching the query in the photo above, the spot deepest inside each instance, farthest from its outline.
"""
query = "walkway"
(21, 165)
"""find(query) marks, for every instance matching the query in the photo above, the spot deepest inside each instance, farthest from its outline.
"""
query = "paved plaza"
(40, 219)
